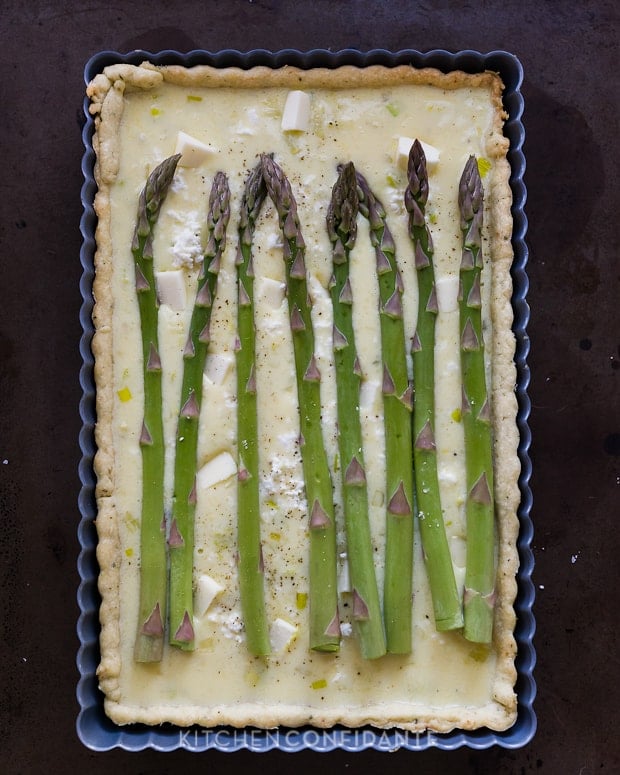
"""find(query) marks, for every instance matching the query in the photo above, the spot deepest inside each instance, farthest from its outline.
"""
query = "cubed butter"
(218, 469)
(281, 634)
(218, 367)
(296, 113)
(404, 146)
(272, 291)
(447, 290)
(207, 589)
(193, 152)
(371, 394)
(344, 579)
(171, 289)
(274, 240)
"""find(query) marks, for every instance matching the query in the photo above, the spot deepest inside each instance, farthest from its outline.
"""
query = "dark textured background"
(570, 54)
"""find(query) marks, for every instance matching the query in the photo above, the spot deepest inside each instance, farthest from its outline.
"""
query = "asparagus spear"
(446, 598)
(251, 582)
(181, 535)
(152, 605)
(324, 617)
(479, 596)
(342, 229)
(397, 395)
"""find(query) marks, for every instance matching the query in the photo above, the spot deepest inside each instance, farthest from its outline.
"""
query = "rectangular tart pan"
(94, 728)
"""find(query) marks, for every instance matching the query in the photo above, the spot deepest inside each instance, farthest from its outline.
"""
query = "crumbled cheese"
(186, 248)
(250, 125)
(230, 624)
(283, 477)
(395, 200)
(179, 183)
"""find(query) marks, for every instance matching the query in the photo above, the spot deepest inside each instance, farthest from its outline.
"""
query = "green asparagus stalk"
(397, 401)
(323, 593)
(181, 534)
(479, 596)
(153, 570)
(251, 581)
(446, 599)
(342, 229)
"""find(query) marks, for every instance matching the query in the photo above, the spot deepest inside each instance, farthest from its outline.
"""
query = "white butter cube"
(296, 113)
(447, 290)
(218, 367)
(274, 240)
(281, 634)
(218, 469)
(272, 291)
(447, 474)
(404, 146)
(171, 289)
(207, 590)
(193, 152)
(370, 393)
(344, 579)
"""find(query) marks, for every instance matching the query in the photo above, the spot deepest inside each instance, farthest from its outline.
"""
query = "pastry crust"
(109, 93)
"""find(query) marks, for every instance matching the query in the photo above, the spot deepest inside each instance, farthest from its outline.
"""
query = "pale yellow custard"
(233, 116)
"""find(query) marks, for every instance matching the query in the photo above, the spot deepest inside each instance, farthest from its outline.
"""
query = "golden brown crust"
(148, 76)
(106, 92)
(504, 405)
(108, 546)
